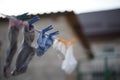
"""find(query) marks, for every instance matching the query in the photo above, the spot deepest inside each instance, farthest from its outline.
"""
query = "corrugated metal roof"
(2, 19)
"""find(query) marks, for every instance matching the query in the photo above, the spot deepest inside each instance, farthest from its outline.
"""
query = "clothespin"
(65, 42)
(42, 34)
(33, 20)
(45, 41)
(46, 37)
(45, 29)
(53, 34)
(49, 41)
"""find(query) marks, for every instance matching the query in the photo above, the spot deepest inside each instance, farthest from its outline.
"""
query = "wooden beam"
(73, 21)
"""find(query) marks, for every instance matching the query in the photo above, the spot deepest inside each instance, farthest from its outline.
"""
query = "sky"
(16, 7)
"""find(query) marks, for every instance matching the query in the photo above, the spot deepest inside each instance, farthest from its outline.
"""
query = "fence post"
(107, 71)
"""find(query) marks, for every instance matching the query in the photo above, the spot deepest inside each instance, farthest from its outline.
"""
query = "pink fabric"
(13, 22)
(20, 22)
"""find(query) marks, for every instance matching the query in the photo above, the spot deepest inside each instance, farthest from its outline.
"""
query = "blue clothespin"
(42, 34)
(49, 41)
(33, 20)
(47, 29)
(53, 34)
(45, 41)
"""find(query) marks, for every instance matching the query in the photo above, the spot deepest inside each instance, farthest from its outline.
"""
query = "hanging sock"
(66, 48)
(45, 41)
(27, 51)
(14, 26)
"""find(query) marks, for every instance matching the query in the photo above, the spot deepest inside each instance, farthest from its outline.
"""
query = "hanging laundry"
(69, 63)
(14, 27)
(27, 51)
(66, 48)
(45, 41)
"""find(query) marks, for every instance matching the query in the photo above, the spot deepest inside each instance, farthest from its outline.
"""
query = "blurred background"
(96, 25)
